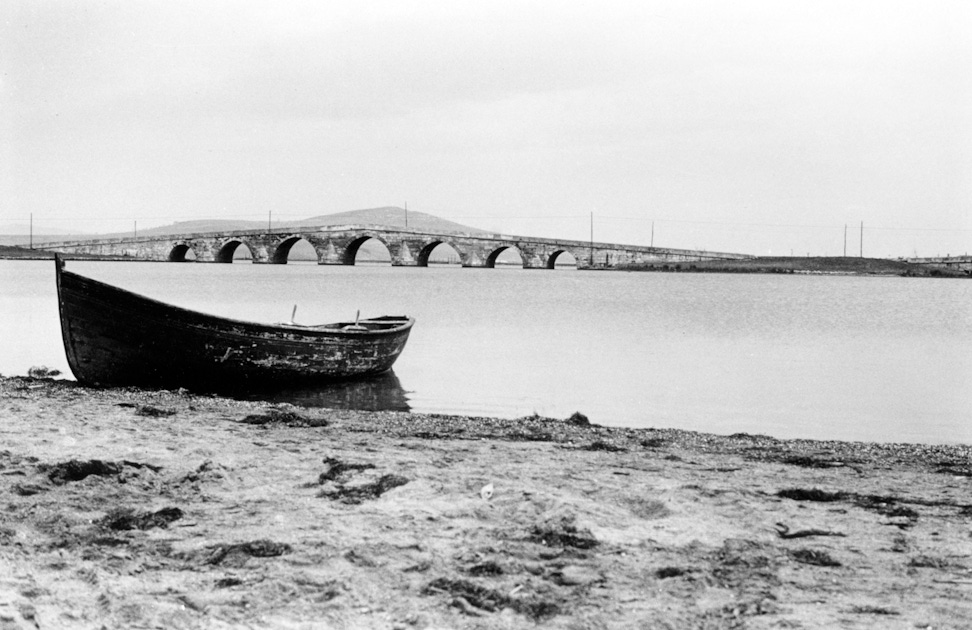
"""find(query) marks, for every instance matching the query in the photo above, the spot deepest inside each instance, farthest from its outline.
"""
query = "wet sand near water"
(127, 508)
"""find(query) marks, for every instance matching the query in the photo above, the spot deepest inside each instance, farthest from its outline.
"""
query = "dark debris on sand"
(236, 553)
(562, 532)
(76, 470)
(359, 493)
(337, 470)
(148, 411)
(283, 417)
(129, 519)
(474, 599)
(815, 557)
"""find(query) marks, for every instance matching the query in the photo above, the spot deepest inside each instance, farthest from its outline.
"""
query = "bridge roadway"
(338, 245)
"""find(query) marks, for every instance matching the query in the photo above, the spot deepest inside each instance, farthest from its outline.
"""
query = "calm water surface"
(886, 359)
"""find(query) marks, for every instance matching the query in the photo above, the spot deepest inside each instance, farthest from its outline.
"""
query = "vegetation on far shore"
(836, 265)
(12, 251)
(823, 265)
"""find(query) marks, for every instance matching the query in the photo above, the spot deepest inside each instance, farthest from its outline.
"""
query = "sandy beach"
(127, 508)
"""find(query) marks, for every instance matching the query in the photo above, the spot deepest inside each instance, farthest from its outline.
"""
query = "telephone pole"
(592, 238)
(32, 230)
(406, 215)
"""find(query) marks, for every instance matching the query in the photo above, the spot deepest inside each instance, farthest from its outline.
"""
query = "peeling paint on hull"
(113, 337)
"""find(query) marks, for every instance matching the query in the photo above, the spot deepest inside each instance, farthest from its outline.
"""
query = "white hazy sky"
(758, 127)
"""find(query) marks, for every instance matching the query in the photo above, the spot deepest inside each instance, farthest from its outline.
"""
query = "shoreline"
(810, 265)
(157, 508)
(793, 265)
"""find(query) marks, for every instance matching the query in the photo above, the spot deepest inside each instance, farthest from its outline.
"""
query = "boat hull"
(113, 337)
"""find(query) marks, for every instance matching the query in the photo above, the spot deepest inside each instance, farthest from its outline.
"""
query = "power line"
(700, 222)
(794, 225)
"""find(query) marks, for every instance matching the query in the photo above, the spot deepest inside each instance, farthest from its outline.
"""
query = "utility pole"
(269, 220)
(406, 215)
(32, 230)
(862, 239)
(592, 238)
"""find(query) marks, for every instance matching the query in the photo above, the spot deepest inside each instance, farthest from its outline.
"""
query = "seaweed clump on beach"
(283, 417)
(337, 470)
(815, 557)
(601, 445)
(128, 519)
(237, 553)
(42, 371)
(353, 495)
(811, 494)
(883, 504)
(76, 470)
(474, 599)
(886, 505)
(563, 532)
(148, 411)
(578, 419)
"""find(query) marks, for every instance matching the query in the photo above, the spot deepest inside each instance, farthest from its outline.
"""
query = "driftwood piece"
(783, 531)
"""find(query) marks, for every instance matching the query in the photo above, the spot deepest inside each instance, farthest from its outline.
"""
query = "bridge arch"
(422, 260)
(351, 249)
(558, 255)
(182, 252)
(226, 249)
(281, 252)
(493, 255)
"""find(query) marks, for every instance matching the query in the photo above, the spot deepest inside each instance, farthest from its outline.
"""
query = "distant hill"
(391, 216)
(23, 240)
(20, 234)
(24, 229)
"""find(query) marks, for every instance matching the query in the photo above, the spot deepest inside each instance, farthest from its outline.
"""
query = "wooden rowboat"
(114, 337)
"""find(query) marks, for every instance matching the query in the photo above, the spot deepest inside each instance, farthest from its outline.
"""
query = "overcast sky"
(757, 127)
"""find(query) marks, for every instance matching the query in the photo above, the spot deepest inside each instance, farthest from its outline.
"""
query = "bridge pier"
(408, 252)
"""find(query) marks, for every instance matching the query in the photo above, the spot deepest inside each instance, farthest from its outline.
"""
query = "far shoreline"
(799, 265)
(778, 265)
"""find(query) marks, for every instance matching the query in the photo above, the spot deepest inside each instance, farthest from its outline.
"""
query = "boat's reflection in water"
(377, 393)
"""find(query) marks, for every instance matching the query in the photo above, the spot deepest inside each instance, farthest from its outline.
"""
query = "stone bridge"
(959, 263)
(338, 245)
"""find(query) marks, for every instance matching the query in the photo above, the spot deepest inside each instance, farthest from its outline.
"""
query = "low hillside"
(10, 251)
(393, 217)
(24, 240)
